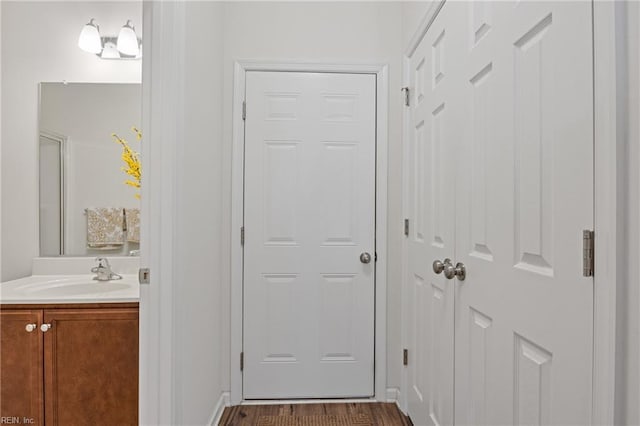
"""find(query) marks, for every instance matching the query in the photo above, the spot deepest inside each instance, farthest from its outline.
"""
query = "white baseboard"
(223, 402)
(393, 395)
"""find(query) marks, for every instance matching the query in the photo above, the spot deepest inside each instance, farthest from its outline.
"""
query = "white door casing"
(310, 161)
(522, 150)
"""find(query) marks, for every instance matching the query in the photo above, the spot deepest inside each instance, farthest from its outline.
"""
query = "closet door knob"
(45, 327)
(365, 257)
(459, 271)
(30, 327)
(439, 266)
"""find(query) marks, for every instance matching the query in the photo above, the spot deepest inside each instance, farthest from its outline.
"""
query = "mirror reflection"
(86, 207)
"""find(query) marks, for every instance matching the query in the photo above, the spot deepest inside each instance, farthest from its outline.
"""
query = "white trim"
(403, 403)
(162, 121)
(393, 395)
(423, 27)
(223, 402)
(308, 401)
(382, 82)
(606, 158)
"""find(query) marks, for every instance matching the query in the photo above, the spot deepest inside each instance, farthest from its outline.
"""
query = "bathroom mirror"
(85, 205)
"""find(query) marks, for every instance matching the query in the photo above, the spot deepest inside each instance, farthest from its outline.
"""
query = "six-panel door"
(524, 315)
(310, 161)
(430, 297)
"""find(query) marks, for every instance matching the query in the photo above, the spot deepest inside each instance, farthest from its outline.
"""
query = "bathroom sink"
(69, 288)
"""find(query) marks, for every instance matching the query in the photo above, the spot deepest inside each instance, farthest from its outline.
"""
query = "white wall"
(87, 115)
(39, 43)
(338, 32)
(200, 255)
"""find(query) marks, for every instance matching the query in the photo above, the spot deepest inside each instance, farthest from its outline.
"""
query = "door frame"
(237, 207)
(607, 164)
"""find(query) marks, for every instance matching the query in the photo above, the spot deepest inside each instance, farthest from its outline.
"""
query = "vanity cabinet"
(78, 367)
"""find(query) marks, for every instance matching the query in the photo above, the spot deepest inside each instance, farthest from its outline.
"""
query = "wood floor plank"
(381, 414)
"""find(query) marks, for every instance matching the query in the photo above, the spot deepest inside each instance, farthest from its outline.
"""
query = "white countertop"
(41, 289)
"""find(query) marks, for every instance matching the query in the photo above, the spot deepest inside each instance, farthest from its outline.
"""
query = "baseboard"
(393, 395)
(223, 402)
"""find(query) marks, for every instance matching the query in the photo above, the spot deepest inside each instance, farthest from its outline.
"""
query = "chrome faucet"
(103, 270)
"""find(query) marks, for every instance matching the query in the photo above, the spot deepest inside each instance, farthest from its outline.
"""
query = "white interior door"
(524, 314)
(515, 162)
(310, 161)
(434, 130)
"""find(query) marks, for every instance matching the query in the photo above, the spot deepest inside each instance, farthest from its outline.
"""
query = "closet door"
(433, 135)
(309, 265)
(525, 193)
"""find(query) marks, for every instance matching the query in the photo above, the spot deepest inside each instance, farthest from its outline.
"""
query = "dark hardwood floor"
(360, 414)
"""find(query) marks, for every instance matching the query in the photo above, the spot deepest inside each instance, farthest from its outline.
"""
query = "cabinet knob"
(45, 327)
(30, 327)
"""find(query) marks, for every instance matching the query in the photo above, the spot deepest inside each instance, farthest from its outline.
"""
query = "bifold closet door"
(309, 265)
(524, 314)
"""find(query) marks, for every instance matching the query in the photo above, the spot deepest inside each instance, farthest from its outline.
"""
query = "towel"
(132, 219)
(105, 227)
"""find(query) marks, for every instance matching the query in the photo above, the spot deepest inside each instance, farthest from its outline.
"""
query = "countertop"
(49, 289)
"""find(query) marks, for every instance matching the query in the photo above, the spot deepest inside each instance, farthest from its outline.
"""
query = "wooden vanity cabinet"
(84, 367)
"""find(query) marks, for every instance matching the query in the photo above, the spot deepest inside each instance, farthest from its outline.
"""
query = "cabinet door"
(91, 367)
(21, 366)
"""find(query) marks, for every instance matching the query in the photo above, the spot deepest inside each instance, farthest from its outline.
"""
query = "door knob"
(365, 257)
(459, 271)
(438, 266)
(45, 327)
(30, 327)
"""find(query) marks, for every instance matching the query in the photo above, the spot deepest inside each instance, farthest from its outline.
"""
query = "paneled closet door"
(309, 265)
(434, 132)
(524, 325)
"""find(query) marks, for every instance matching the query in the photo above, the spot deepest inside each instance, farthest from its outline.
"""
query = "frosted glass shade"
(89, 39)
(128, 40)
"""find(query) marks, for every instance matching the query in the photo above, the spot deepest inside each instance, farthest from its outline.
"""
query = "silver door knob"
(45, 327)
(438, 266)
(459, 271)
(30, 327)
(365, 257)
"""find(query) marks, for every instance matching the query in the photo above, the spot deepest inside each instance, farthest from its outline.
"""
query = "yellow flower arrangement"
(132, 160)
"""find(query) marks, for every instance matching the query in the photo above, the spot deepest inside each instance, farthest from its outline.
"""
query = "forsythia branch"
(131, 159)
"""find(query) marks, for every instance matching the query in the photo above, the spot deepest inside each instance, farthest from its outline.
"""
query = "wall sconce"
(126, 46)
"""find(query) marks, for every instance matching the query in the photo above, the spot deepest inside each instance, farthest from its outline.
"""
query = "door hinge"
(405, 357)
(242, 235)
(405, 90)
(241, 361)
(144, 275)
(244, 110)
(406, 227)
(588, 253)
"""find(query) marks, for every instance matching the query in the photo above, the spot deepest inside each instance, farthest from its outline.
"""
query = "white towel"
(105, 227)
(132, 219)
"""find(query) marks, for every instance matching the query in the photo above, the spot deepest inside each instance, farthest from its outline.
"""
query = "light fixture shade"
(128, 40)
(89, 39)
